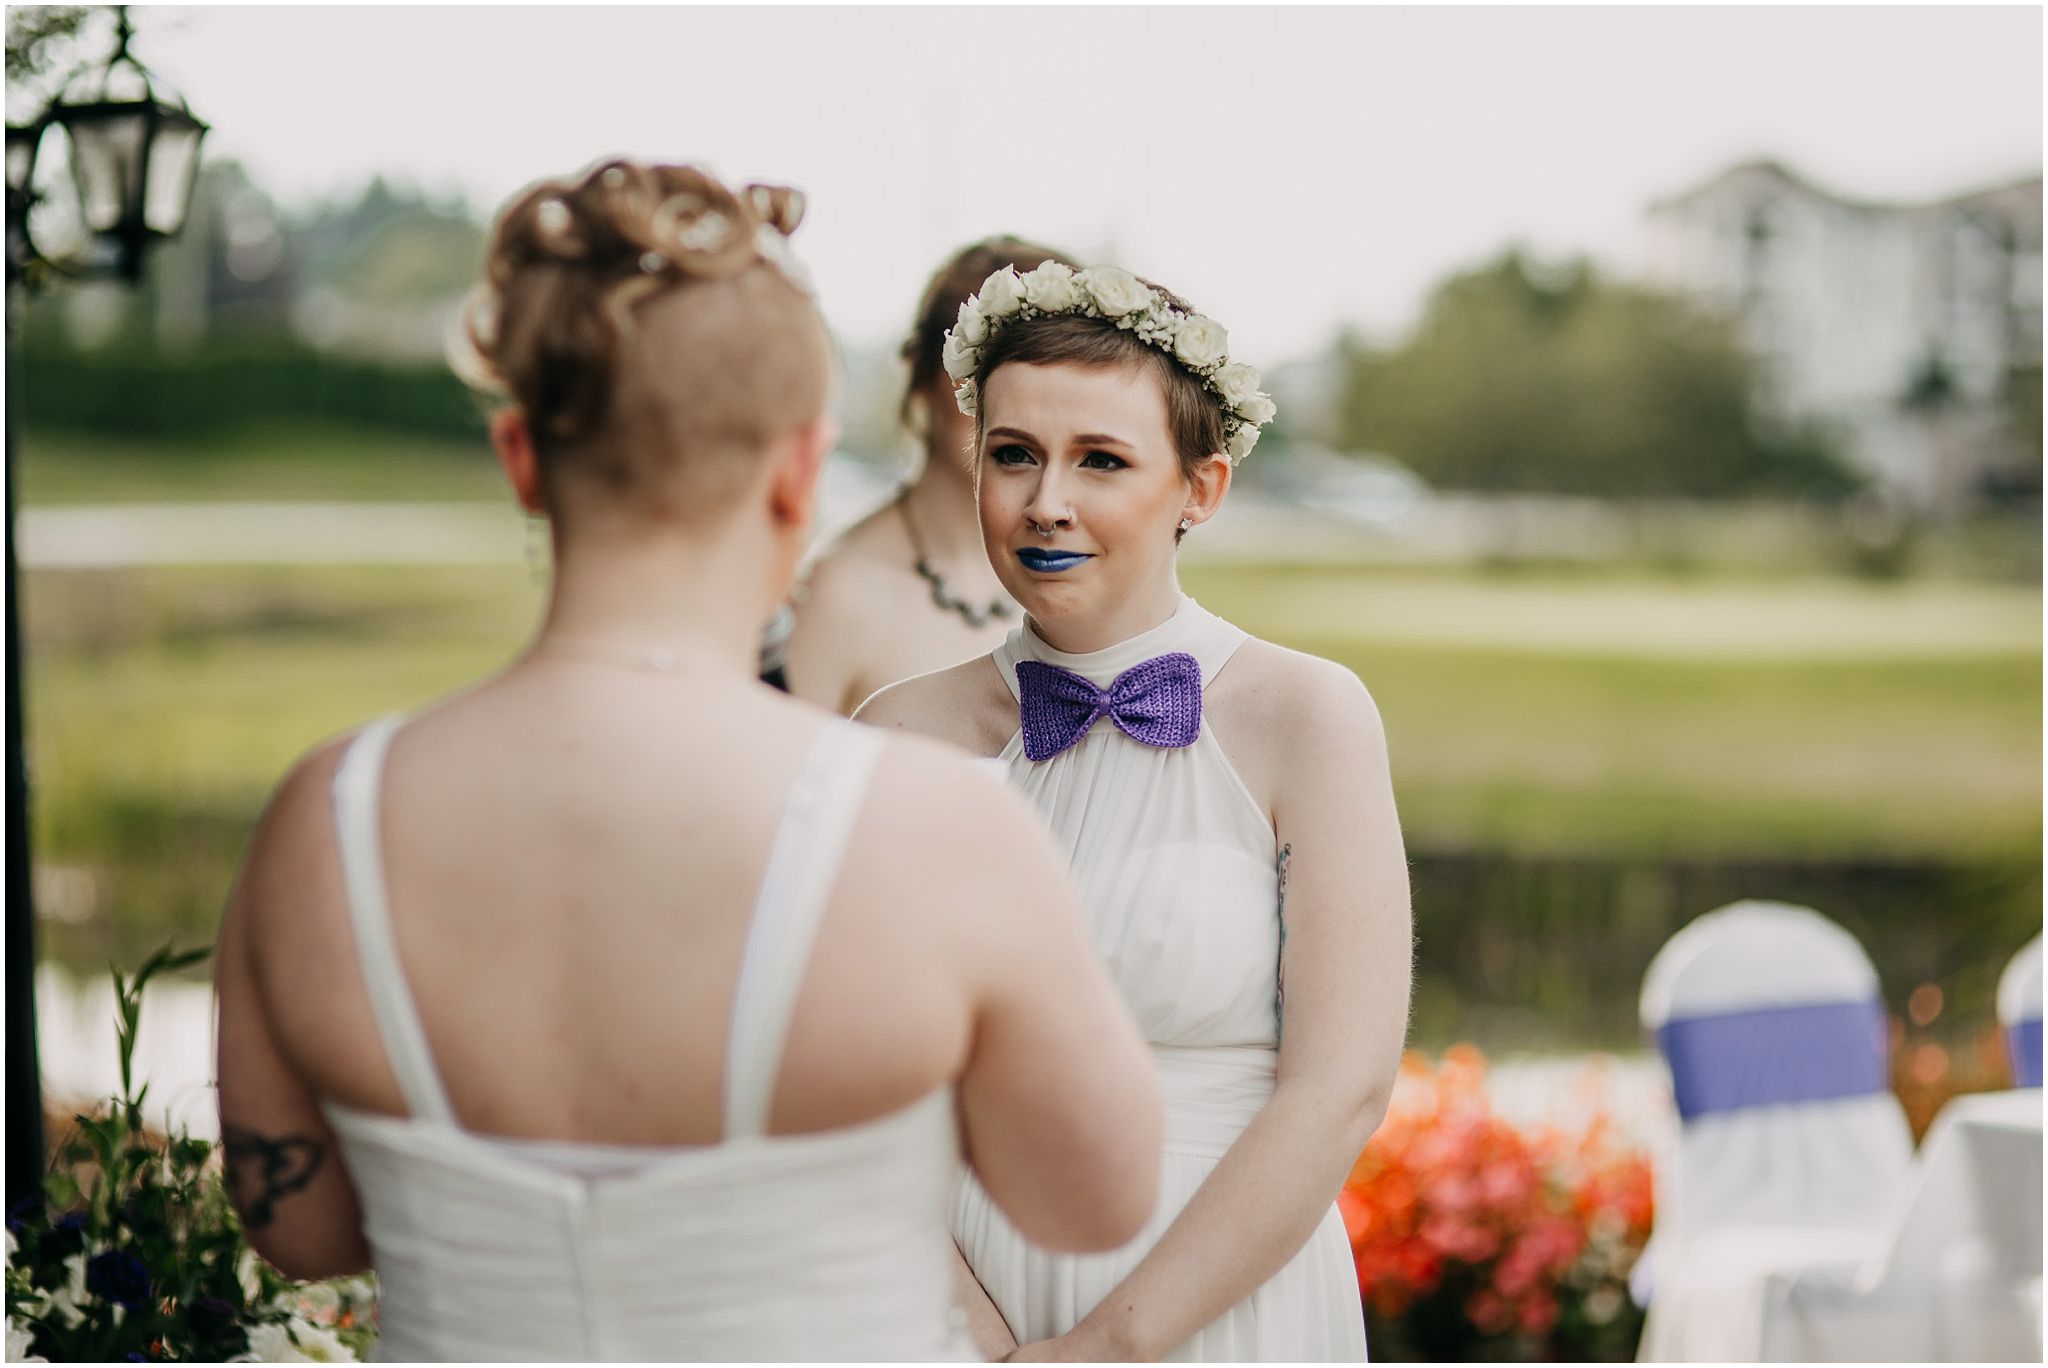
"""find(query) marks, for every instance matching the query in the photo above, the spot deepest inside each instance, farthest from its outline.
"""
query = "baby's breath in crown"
(1196, 342)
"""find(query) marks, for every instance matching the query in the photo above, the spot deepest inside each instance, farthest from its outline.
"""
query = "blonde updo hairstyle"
(651, 328)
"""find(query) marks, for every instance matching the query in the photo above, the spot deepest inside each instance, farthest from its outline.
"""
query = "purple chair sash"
(1736, 1060)
(2023, 1048)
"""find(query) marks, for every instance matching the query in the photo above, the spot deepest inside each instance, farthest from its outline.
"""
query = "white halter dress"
(829, 1245)
(1176, 865)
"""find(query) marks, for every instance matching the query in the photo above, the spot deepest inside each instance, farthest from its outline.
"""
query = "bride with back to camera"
(618, 1006)
(1226, 810)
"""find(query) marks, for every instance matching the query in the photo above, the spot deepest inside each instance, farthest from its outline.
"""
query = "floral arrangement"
(136, 1253)
(1197, 342)
(1478, 1240)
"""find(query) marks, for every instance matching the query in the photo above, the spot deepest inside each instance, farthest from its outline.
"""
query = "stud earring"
(1186, 523)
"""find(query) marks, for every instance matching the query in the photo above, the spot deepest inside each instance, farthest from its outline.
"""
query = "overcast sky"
(1289, 170)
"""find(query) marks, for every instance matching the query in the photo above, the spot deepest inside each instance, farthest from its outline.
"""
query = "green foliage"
(1528, 377)
(137, 1252)
(229, 385)
(38, 36)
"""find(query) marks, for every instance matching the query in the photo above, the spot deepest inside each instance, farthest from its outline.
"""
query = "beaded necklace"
(943, 597)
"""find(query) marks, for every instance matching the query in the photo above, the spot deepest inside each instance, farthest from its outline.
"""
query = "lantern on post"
(95, 181)
(129, 149)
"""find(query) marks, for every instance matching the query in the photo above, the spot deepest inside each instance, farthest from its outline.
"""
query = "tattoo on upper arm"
(261, 1170)
(1280, 973)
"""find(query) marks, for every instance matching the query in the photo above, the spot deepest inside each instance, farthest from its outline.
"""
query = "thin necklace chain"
(659, 659)
(943, 597)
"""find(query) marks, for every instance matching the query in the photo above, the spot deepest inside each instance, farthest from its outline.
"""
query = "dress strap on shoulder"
(358, 785)
(802, 868)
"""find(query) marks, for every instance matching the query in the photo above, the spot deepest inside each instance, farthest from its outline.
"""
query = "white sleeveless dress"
(1176, 865)
(828, 1245)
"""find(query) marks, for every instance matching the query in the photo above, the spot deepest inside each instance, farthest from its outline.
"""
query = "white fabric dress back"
(829, 1245)
(2019, 1014)
(1771, 1020)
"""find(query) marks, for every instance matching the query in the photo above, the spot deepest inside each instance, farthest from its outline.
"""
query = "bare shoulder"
(1284, 716)
(1291, 695)
(967, 705)
(297, 824)
(872, 548)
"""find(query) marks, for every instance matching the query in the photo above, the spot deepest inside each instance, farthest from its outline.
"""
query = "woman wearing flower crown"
(1224, 805)
(616, 1006)
(907, 588)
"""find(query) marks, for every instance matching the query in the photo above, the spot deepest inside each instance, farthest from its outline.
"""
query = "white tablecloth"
(1955, 1276)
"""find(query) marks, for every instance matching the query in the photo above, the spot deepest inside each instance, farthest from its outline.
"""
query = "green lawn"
(163, 704)
(281, 462)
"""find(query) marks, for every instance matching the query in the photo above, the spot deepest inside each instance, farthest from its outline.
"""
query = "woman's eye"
(1010, 455)
(1102, 460)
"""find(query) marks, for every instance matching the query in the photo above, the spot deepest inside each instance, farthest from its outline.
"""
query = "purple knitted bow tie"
(1157, 701)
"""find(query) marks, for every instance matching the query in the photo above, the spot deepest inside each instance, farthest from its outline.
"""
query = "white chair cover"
(1770, 1018)
(1959, 1278)
(2019, 1014)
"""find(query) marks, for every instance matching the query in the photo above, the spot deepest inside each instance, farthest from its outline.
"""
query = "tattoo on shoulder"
(1280, 971)
(262, 1170)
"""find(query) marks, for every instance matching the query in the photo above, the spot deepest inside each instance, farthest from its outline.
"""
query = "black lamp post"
(130, 153)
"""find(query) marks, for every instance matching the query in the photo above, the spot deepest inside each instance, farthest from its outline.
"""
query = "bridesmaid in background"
(908, 589)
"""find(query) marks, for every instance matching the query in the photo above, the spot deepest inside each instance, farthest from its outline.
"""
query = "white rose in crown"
(1240, 443)
(958, 357)
(1258, 409)
(971, 326)
(1201, 343)
(1116, 291)
(1236, 382)
(1051, 288)
(964, 397)
(1002, 294)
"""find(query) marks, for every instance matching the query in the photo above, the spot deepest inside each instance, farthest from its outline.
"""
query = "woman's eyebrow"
(1099, 439)
(1015, 434)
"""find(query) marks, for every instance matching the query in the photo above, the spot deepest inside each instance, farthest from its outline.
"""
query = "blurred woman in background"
(617, 1006)
(908, 588)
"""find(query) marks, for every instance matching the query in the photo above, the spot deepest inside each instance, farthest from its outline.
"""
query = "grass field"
(257, 464)
(163, 703)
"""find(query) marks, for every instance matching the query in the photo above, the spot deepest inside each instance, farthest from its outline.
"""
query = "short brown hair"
(949, 288)
(1192, 413)
(586, 275)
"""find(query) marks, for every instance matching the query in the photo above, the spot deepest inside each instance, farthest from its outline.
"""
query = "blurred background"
(1659, 439)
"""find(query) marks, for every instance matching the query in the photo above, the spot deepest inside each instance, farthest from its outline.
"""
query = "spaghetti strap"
(802, 868)
(358, 784)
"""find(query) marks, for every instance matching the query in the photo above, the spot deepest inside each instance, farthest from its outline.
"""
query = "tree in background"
(1528, 376)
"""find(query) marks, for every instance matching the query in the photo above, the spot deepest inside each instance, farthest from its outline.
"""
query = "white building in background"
(1858, 309)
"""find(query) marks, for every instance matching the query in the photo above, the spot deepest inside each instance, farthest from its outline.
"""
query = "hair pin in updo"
(707, 233)
(653, 263)
(552, 216)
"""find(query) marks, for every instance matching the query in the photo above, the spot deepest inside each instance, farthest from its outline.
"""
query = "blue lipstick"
(1050, 562)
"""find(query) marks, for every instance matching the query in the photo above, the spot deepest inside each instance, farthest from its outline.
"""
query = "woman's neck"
(1134, 615)
(672, 594)
(941, 504)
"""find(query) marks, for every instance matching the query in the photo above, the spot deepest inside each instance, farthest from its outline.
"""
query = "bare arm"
(1346, 969)
(284, 1173)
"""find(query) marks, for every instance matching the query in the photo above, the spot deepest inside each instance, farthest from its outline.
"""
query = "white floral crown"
(1106, 292)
